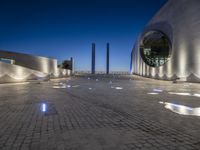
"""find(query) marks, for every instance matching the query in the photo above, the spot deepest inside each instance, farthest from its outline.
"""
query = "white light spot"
(44, 107)
(157, 90)
(152, 93)
(183, 94)
(118, 88)
(59, 87)
(181, 109)
(196, 95)
(68, 86)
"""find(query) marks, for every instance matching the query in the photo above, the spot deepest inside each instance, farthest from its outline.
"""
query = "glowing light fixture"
(59, 87)
(196, 95)
(157, 90)
(182, 109)
(153, 93)
(68, 86)
(44, 107)
(118, 88)
(183, 94)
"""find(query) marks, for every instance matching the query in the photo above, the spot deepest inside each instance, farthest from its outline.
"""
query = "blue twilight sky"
(66, 28)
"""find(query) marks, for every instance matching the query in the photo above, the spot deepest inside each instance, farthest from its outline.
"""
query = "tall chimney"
(107, 57)
(93, 59)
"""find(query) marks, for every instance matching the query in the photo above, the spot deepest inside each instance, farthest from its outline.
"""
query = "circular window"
(155, 48)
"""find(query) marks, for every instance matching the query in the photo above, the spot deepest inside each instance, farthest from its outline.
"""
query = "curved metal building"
(169, 46)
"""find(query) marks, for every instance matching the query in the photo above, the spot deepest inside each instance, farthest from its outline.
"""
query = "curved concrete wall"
(14, 73)
(180, 21)
(42, 64)
(29, 67)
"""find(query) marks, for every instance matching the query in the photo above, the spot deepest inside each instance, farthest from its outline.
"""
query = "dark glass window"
(155, 48)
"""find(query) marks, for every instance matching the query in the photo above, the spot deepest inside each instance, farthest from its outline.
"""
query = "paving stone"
(98, 119)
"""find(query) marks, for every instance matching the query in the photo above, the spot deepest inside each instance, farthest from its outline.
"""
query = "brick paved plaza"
(82, 113)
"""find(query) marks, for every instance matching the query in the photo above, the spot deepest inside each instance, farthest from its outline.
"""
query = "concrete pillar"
(93, 59)
(131, 64)
(107, 58)
(72, 65)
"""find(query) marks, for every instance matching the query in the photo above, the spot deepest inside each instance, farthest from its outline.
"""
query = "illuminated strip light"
(157, 90)
(196, 95)
(181, 109)
(153, 93)
(184, 94)
(59, 87)
(118, 88)
(43, 107)
(68, 86)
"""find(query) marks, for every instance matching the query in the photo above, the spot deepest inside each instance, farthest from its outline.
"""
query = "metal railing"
(103, 72)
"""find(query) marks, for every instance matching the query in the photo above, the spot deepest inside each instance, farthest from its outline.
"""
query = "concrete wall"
(28, 67)
(180, 21)
(14, 73)
(61, 73)
(42, 64)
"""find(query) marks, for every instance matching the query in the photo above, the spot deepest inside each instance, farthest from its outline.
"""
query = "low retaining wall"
(14, 73)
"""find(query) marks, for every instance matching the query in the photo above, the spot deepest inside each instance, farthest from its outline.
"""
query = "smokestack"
(93, 59)
(107, 57)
